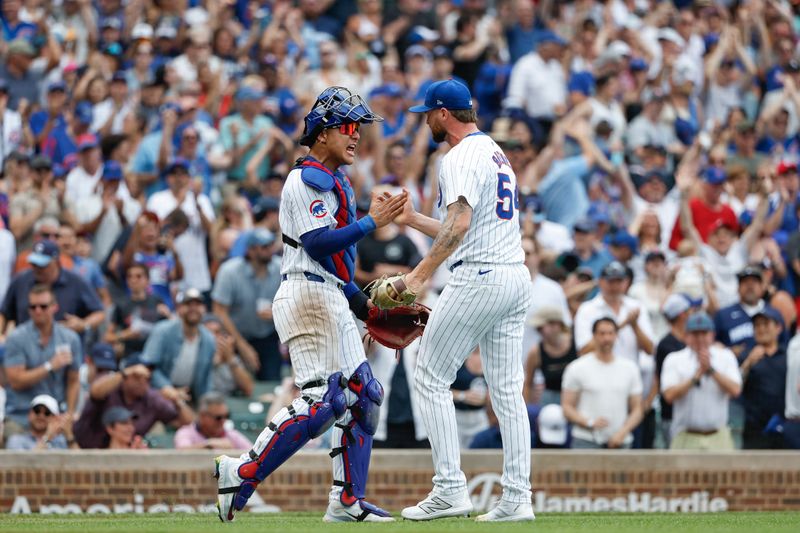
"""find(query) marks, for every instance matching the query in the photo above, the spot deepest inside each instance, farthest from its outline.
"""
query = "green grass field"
(312, 523)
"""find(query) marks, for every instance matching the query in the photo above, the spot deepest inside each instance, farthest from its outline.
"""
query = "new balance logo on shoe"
(434, 504)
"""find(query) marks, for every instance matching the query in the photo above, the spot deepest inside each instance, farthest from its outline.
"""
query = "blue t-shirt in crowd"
(159, 267)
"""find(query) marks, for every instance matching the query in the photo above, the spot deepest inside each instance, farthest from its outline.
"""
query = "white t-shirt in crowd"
(596, 308)
(704, 407)
(191, 244)
(603, 391)
(723, 270)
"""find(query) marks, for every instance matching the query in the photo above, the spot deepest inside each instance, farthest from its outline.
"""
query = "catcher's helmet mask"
(335, 106)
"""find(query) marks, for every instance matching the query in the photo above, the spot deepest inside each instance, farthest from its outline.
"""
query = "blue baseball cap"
(112, 171)
(675, 304)
(57, 86)
(714, 175)
(699, 321)
(260, 237)
(638, 64)
(83, 112)
(177, 163)
(581, 82)
(549, 36)
(445, 94)
(117, 414)
(87, 141)
(248, 93)
(43, 253)
(623, 238)
(585, 225)
(770, 313)
(103, 356)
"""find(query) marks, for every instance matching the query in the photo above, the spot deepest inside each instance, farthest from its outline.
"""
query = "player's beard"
(439, 133)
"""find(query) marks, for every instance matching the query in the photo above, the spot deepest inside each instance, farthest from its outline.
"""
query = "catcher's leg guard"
(291, 428)
(355, 439)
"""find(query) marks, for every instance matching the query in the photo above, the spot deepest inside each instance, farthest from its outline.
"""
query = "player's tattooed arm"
(454, 227)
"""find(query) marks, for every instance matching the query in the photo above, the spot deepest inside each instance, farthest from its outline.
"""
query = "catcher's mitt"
(390, 292)
(398, 327)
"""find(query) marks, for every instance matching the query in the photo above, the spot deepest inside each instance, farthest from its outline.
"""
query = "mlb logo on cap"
(445, 94)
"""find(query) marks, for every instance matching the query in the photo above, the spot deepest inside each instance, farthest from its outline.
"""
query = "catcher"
(310, 309)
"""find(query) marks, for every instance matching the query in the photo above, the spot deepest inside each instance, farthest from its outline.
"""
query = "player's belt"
(316, 278)
(291, 242)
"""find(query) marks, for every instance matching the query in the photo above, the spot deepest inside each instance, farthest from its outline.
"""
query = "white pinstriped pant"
(487, 310)
(314, 320)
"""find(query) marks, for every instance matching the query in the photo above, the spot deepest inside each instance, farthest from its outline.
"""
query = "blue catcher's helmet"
(335, 106)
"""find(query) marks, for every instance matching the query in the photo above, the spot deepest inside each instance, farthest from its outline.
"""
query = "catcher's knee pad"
(369, 397)
(291, 429)
(355, 446)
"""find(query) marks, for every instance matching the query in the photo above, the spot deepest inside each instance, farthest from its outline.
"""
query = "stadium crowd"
(143, 144)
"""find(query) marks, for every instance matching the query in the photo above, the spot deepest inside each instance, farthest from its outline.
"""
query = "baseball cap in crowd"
(714, 176)
(584, 273)
(166, 32)
(47, 401)
(675, 304)
(750, 271)
(41, 162)
(260, 237)
(546, 314)
(770, 313)
(21, 46)
(112, 171)
(549, 36)
(103, 356)
(43, 253)
(264, 206)
(83, 112)
(671, 35)
(111, 23)
(57, 86)
(553, 426)
(614, 270)
(625, 239)
(119, 77)
(745, 126)
(581, 82)
(189, 295)
(248, 93)
(447, 94)
(118, 414)
(134, 359)
(417, 50)
(87, 141)
(177, 163)
(142, 30)
(654, 255)
(392, 90)
(699, 321)
(598, 213)
(585, 225)
(784, 167)
(442, 51)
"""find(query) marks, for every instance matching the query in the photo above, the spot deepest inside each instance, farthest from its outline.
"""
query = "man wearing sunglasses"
(210, 430)
(42, 357)
(48, 429)
(312, 316)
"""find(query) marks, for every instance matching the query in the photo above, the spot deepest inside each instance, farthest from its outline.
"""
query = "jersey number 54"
(507, 197)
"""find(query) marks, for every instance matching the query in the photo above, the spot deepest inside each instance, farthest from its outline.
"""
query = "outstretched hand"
(385, 207)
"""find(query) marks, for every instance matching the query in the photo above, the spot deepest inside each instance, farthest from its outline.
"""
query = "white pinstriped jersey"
(304, 209)
(477, 169)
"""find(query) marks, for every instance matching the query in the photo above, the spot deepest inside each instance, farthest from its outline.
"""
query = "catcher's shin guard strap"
(369, 397)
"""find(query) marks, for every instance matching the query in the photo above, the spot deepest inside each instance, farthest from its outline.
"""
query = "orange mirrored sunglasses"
(349, 128)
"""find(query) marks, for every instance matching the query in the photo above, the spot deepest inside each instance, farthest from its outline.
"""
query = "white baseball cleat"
(437, 506)
(508, 512)
(228, 483)
(361, 511)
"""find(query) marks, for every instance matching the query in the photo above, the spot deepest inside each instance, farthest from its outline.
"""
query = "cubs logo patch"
(318, 209)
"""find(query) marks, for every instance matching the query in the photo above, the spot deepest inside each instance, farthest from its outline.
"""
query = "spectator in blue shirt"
(47, 428)
(62, 140)
(42, 357)
(44, 121)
